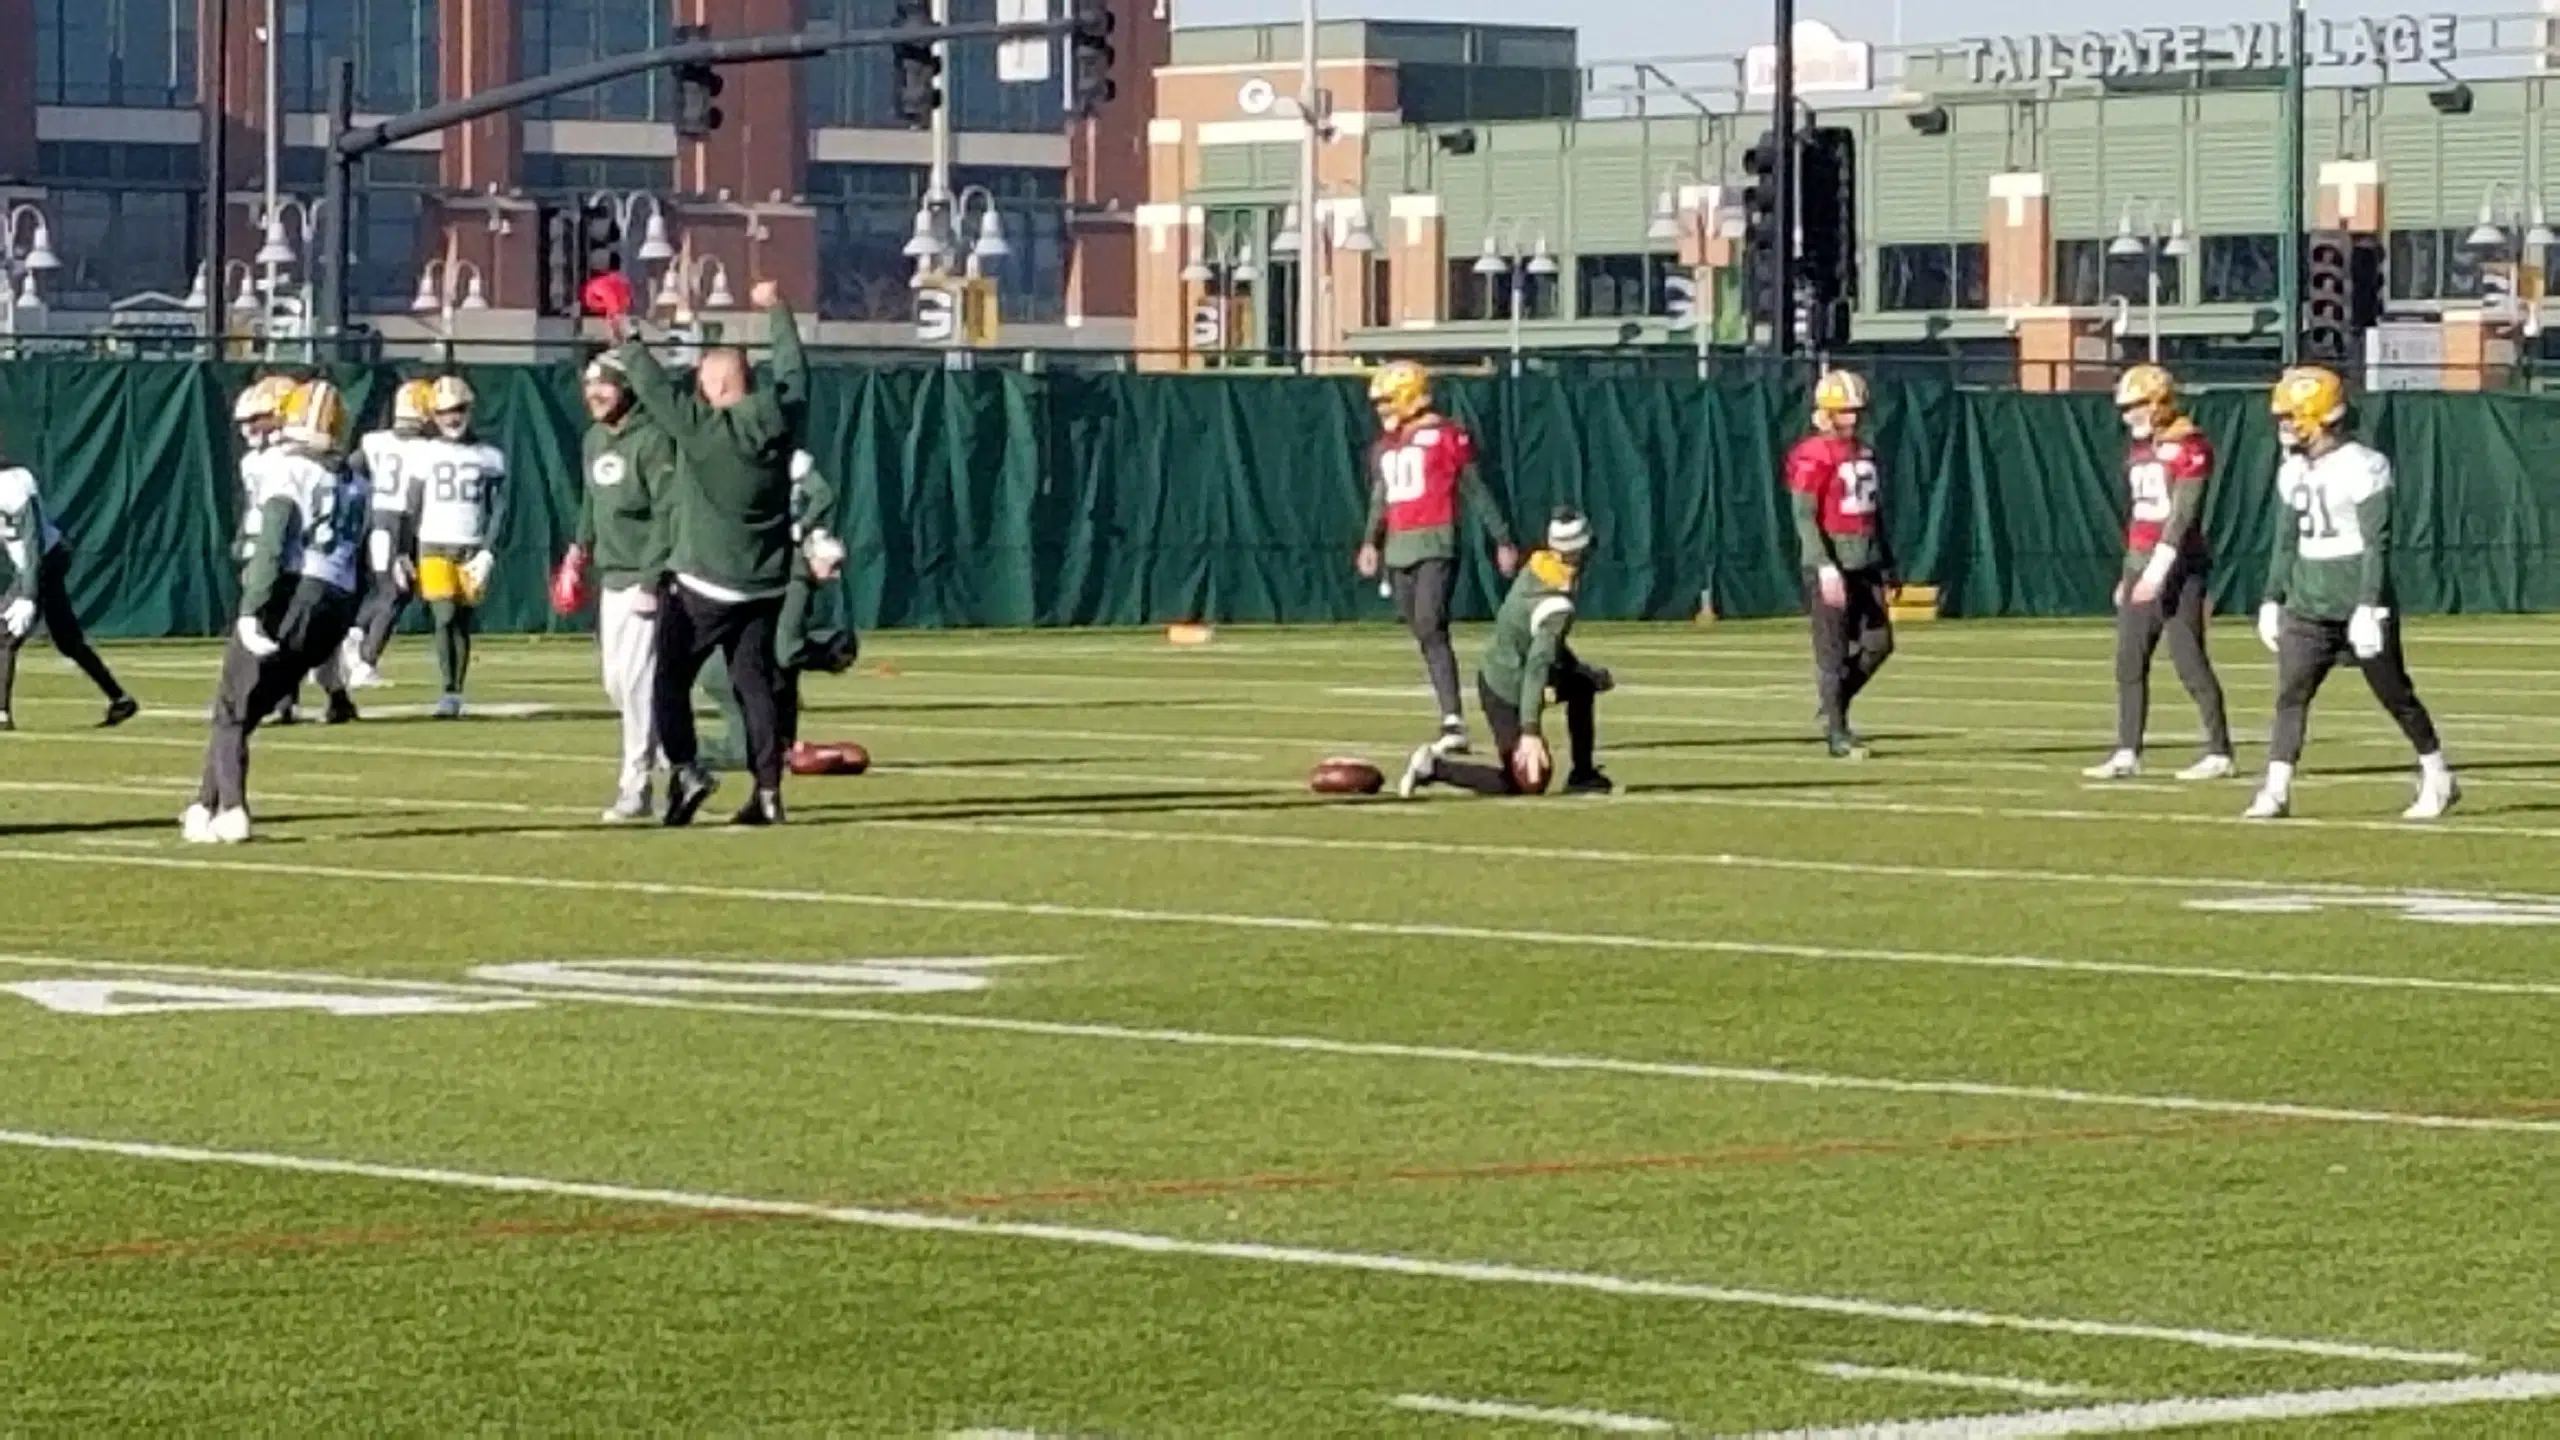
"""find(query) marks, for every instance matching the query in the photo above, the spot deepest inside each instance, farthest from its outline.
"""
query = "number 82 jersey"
(455, 482)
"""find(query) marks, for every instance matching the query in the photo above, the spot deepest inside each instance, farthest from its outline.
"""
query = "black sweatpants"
(386, 597)
(53, 611)
(307, 627)
(1850, 644)
(690, 628)
(1422, 594)
(2178, 613)
(2307, 650)
(1575, 690)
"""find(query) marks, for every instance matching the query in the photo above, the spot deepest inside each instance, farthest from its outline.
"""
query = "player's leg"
(1830, 628)
(248, 689)
(9, 647)
(2190, 609)
(2387, 676)
(1870, 638)
(62, 622)
(682, 647)
(1429, 767)
(627, 640)
(728, 749)
(1434, 584)
(2138, 630)
(747, 644)
(2306, 651)
(1578, 688)
(786, 701)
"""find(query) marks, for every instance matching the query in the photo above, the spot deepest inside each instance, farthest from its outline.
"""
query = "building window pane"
(2239, 269)
(1031, 282)
(865, 214)
(1916, 277)
(1619, 285)
(2085, 273)
(393, 43)
(1382, 295)
(1471, 296)
(1973, 276)
(851, 88)
(980, 101)
(133, 53)
(118, 243)
(559, 34)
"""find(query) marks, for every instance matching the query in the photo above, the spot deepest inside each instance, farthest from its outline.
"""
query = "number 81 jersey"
(455, 482)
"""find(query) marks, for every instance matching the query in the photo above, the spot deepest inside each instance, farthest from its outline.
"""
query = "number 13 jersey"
(456, 484)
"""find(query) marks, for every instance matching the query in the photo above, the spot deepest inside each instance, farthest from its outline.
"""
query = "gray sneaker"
(629, 808)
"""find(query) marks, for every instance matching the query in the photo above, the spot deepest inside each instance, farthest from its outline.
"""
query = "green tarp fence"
(1010, 498)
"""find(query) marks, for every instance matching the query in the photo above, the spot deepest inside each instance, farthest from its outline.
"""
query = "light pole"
(438, 285)
(942, 234)
(19, 269)
(2511, 221)
(1503, 256)
(244, 297)
(2153, 245)
(694, 276)
(1312, 110)
(1225, 265)
(1315, 262)
(276, 252)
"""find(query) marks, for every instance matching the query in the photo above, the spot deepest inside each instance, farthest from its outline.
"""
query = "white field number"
(111, 998)
(2430, 909)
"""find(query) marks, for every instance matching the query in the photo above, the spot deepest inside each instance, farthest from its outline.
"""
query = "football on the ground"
(1347, 775)
(841, 757)
(1522, 780)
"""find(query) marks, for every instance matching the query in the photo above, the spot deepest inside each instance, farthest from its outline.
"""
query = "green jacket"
(1528, 635)
(630, 467)
(731, 500)
(814, 505)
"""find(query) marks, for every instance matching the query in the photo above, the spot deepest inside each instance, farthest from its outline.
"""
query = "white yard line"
(1535, 1061)
(1948, 1379)
(1605, 1421)
(2138, 1416)
(1475, 1272)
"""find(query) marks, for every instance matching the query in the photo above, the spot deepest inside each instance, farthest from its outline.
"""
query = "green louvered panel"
(2079, 184)
(1225, 167)
(2144, 163)
(1529, 189)
(1383, 167)
(2412, 198)
(1912, 194)
(1275, 166)
(2238, 181)
(2479, 150)
(1465, 206)
(1979, 154)
(1611, 202)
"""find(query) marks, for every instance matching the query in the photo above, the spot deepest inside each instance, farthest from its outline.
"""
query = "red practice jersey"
(1418, 468)
(2180, 455)
(1840, 474)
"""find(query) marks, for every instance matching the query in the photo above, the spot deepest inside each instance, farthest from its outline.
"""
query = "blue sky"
(1631, 29)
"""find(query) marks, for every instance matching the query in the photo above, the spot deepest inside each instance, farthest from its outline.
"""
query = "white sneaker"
(196, 825)
(2211, 767)
(231, 826)
(1418, 772)
(629, 808)
(1452, 741)
(2122, 765)
(2268, 806)
(2434, 799)
(361, 676)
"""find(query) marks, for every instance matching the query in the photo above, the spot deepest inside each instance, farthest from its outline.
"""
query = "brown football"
(837, 758)
(1346, 775)
(1522, 781)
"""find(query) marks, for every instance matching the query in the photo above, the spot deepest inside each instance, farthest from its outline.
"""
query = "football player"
(1422, 471)
(39, 567)
(1526, 658)
(2162, 588)
(462, 502)
(382, 460)
(1841, 544)
(2329, 597)
(629, 464)
(800, 642)
(297, 597)
(259, 414)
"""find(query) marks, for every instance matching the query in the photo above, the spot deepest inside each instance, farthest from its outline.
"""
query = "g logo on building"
(608, 470)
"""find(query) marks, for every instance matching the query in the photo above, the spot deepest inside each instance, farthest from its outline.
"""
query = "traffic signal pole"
(349, 144)
(2289, 255)
(1782, 129)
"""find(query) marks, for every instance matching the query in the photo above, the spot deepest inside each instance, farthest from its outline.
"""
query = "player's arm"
(2373, 521)
(2186, 512)
(276, 518)
(1478, 497)
(493, 498)
(1548, 624)
(1374, 533)
(678, 412)
(585, 540)
(1812, 545)
(2288, 539)
(25, 515)
(790, 361)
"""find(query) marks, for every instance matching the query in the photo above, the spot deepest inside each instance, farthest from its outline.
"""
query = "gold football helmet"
(259, 407)
(450, 398)
(2147, 398)
(1399, 392)
(413, 407)
(315, 417)
(2308, 403)
(1839, 398)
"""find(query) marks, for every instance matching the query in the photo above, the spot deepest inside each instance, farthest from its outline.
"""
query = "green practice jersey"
(629, 467)
(2335, 555)
(1528, 632)
(731, 498)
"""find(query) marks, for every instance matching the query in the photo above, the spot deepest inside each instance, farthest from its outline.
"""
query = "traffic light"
(2328, 299)
(1827, 181)
(561, 275)
(696, 86)
(599, 240)
(1089, 49)
(2368, 281)
(919, 69)
(1762, 304)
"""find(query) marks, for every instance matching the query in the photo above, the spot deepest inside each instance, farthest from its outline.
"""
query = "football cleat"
(1589, 782)
(2434, 799)
(449, 708)
(686, 790)
(627, 808)
(196, 825)
(6, 724)
(1845, 745)
(231, 826)
(361, 676)
(2211, 767)
(1419, 771)
(342, 709)
(2268, 806)
(765, 808)
(1453, 738)
(2122, 765)
(119, 710)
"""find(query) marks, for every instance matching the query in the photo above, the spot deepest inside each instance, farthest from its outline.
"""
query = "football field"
(1078, 1072)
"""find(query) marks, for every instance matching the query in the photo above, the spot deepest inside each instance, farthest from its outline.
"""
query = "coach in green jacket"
(730, 557)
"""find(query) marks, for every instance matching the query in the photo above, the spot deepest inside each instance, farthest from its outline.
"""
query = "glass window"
(2239, 269)
(980, 101)
(2436, 265)
(859, 88)
(393, 43)
(135, 53)
(1488, 297)
(2087, 273)
(1612, 285)
(865, 214)
(561, 34)
(577, 176)
(1382, 295)
(114, 243)
(1934, 277)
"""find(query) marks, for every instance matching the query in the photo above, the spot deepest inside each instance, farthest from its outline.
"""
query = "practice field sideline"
(1078, 1072)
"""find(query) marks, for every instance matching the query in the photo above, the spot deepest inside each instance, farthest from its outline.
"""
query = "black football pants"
(691, 627)
(2307, 650)
(1575, 691)
(313, 621)
(2178, 614)
(1422, 594)
(52, 595)
(1850, 644)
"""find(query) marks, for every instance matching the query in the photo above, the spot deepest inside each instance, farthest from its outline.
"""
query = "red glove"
(569, 583)
(607, 295)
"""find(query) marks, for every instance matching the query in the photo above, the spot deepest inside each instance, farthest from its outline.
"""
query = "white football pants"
(627, 630)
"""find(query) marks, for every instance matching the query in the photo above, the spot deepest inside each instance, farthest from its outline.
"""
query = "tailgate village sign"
(2165, 50)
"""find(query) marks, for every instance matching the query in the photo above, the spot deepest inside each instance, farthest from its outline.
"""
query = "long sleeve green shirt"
(630, 468)
(731, 500)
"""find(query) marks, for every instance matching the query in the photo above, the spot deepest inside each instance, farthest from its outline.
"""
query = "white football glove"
(479, 567)
(2364, 630)
(2271, 625)
(19, 617)
(254, 637)
(825, 552)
